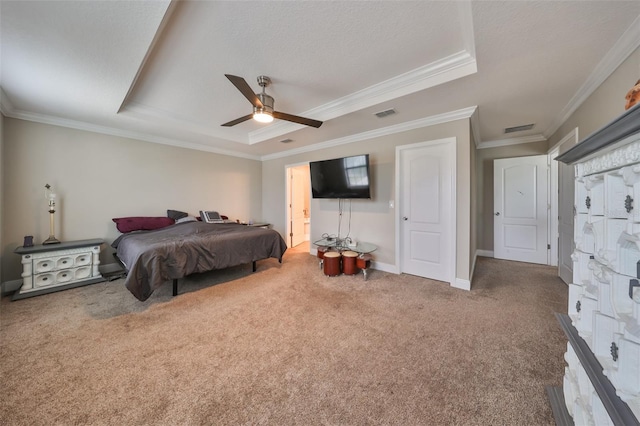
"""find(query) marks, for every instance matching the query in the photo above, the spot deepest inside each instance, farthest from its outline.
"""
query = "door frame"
(451, 142)
(554, 151)
(287, 200)
(553, 223)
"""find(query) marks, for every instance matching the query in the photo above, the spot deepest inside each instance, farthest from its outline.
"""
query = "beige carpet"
(288, 346)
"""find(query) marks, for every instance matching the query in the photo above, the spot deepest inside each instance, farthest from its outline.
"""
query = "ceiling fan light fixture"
(263, 111)
(262, 116)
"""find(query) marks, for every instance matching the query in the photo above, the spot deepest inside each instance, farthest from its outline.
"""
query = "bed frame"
(175, 280)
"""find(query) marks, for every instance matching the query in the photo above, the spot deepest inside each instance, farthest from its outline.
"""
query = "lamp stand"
(52, 239)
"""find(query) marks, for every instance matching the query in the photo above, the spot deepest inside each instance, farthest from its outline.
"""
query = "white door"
(299, 178)
(427, 210)
(520, 209)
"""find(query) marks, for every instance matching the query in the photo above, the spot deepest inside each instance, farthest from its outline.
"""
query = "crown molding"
(450, 68)
(475, 127)
(466, 26)
(511, 141)
(80, 125)
(384, 131)
(625, 46)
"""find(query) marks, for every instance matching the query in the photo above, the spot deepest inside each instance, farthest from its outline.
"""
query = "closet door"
(521, 209)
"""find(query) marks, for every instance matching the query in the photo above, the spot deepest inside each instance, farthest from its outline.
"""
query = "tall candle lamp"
(51, 196)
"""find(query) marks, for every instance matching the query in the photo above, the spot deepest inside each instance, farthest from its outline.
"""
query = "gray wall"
(605, 104)
(373, 220)
(98, 177)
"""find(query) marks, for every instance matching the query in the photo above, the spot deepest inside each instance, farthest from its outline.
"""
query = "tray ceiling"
(154, 70)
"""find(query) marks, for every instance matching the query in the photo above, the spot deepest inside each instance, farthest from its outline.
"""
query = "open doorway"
(298, 204)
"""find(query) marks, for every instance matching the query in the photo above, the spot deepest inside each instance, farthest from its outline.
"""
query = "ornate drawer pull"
(614, 351)
(628, 204)
(578, 306)
(587, 202)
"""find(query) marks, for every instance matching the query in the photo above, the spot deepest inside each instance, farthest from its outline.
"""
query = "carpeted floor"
(288, 346)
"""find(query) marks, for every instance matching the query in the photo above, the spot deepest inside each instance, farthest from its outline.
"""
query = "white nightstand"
(56, 267)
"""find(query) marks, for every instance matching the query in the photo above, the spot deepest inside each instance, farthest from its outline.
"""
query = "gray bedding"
(154, 257)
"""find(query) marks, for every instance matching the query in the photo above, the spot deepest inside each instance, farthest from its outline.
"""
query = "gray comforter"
(154, 257)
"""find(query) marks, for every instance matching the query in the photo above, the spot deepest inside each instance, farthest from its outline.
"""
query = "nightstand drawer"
(53, 267)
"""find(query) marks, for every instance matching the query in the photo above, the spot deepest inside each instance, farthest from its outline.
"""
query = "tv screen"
(346, 177)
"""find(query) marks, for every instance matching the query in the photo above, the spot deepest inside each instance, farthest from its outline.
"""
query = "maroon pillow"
(141, 223)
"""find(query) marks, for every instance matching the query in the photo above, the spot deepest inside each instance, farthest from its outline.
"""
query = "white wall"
(372, 220)
(98, 177)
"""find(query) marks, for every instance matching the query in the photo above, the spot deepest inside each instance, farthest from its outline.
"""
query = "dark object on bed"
(152, 258)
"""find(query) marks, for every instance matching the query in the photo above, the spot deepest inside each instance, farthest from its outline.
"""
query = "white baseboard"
(461, 284)
(484, 253)
(385, 267)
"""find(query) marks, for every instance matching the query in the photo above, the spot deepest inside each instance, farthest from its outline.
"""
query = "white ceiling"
(154, 70)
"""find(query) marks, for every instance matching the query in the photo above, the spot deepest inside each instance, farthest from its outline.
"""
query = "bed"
(152, 258)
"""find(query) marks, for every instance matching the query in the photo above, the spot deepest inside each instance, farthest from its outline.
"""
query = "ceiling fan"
(263, 104)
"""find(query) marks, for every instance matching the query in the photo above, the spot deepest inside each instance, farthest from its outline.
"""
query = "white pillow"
(186, 219)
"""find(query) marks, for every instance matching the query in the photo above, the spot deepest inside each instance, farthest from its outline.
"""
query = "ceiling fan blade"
(296, 119)
(238, 120)
(245, 89)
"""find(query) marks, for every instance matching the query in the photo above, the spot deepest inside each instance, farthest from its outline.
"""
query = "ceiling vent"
(385, 113)
(519, 128)
(286, 140)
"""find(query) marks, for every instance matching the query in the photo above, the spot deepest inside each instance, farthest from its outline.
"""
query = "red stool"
(320, 253)
(349, 262)
(331, 262)
(363, 262)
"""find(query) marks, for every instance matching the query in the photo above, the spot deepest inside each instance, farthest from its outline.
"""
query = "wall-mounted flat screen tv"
(346, 177)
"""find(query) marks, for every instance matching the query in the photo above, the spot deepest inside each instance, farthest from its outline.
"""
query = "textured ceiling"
(154, 70)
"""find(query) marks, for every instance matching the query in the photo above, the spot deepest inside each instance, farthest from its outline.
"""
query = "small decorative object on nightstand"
(28, 241)
(49, 268)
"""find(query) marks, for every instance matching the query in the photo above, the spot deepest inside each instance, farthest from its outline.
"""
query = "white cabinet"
(55, 267)
(602, 378)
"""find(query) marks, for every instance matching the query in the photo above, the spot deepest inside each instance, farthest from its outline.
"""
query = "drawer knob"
(578, 306)
(614, 351)
(628, 204)
(587, 202)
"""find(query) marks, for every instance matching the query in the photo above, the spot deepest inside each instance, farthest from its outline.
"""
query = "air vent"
(519, 128)
(286, 140)
(385, 113)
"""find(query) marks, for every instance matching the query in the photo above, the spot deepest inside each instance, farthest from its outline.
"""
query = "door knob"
(497, 213)
(405, 218)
